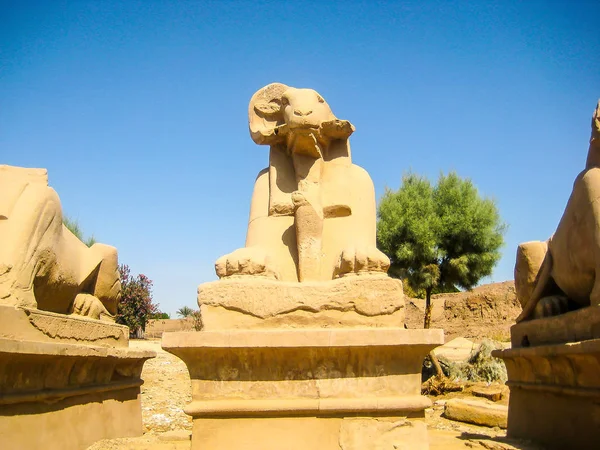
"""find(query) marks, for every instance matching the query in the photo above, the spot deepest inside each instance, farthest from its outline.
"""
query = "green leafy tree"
(185, 311)
(74, 228)
(135, 306)
(160, 315)
(439, 238)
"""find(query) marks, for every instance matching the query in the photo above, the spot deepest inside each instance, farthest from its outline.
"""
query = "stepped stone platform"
(310, 388)
(553, 374)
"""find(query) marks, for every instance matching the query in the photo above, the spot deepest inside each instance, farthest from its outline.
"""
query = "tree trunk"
(428, 308)
(436, 365)
(426, 325)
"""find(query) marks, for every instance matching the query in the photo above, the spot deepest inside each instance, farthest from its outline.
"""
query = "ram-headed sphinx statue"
(42, 264)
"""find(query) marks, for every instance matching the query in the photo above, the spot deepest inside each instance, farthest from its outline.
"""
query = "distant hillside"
(486, 311)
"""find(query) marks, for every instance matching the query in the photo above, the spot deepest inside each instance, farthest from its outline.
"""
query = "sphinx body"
(552, 363)
(312, 216)
(563, 273)
(42, 264)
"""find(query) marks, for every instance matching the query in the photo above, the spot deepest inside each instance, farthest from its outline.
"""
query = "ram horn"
(265, 116)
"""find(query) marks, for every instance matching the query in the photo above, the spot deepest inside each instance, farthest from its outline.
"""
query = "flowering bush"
(135, 306)
(197, 317)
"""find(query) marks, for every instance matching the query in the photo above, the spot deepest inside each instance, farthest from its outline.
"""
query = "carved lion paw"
(551, 305)
(362, 260)
(245, 261)
(90, 306)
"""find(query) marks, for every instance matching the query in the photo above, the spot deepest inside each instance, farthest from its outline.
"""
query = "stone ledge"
(53, 395)
(39, 371)
(574, 326)
(564, 368)
(296, 406)
(556, 389)
(35, 348)
(568, 348)
(303, 338)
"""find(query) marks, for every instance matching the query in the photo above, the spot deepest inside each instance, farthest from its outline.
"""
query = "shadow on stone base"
(557, 420)
(72, 423)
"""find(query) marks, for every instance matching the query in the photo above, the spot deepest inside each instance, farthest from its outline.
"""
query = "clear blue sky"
(138, 109)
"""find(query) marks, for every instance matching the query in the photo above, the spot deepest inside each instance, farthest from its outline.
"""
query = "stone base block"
(311, 433)
(306, 388)
(556, 420)
(63, 396)
(74, 422)
(255, 302)
(554, 388)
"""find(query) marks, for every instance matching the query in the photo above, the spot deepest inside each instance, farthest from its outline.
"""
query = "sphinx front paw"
(246, 261)
(361, 259)
(90, 306)
(551, 305)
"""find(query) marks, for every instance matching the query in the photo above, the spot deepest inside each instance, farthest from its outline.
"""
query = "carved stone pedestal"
(260, 303)
(554, 379)
(66, 382)
(322, 389)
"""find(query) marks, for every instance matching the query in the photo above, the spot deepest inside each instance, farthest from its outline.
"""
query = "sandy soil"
(166, 391)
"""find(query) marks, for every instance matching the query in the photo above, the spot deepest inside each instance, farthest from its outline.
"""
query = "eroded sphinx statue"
(563, 273)
(310, 246)
(42, 264)
(66, 369)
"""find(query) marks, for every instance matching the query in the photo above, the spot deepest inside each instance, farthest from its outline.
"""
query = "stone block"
(457, 350)
(261, 303)
(476, 412)
(493, 393)
(383, 433)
